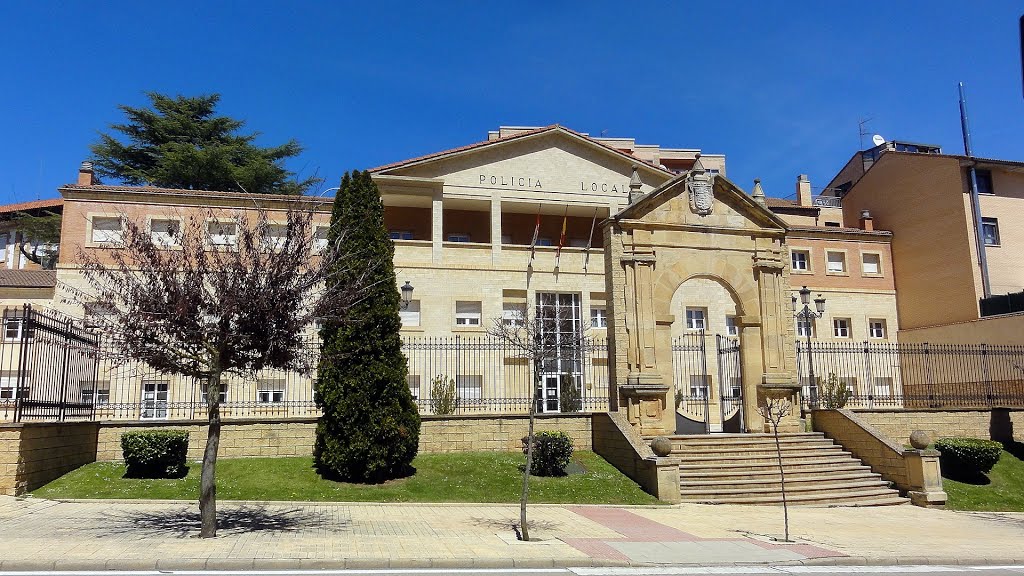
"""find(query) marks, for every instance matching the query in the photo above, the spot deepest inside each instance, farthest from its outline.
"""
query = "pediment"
(732, 208)
(555, 160)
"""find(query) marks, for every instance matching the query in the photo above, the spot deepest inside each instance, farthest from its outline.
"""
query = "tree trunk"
(207, 482)
(524, 532)
(782, 479)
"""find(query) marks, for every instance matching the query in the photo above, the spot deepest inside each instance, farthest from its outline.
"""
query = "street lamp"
(406, 294)
(807, 315)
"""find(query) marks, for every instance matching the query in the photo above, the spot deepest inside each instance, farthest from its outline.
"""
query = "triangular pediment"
(732, 208)
(553, 160)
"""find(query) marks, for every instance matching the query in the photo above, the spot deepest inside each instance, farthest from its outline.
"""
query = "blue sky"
(776, 86)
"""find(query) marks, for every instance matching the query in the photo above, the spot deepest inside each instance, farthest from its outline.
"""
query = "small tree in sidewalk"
(201, 302)
(775, 410)
(545, 339)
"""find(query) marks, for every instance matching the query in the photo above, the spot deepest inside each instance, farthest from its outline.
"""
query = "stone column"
(750, 366)
(496, 227)
(437, 226)
(778, 369)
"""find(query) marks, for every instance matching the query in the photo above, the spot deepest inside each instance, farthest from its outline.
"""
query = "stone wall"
(254, 438)
(884, 455)
(998, 424)
(618, 442)
(32, 454)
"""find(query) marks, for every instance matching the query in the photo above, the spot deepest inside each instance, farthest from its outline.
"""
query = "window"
(13, 325)
(876, 328)
(413, 380)
(871, 264)
(695, 318)
(832, 224)
(222, 397)
(699, 385)
(320, 237)
(164, 231)
(98, 391)
(850, 382)
(545, 242)
(990, 231)
(730, 326)
(598, 317)
(470, 388)
(735, 387)
(276, 236)
(107, 229)
(154, 398)
(984, 178)
(513, 313)
(883, 386)
(560, 324)
(98, 314)
(222, 233)
(410, 315)
(270, 391)
(805, 328)
(801, 260)
(841, 327)
(458, 237)
(9, 386)
(835, 262)
(407, 235)
(4, 240)
(467, 313)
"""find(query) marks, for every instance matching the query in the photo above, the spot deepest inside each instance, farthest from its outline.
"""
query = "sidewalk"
(94, 535)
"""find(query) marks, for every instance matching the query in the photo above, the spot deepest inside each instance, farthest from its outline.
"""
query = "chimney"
(866, 221)
(803, 191)
(85, 174)
(758, 193)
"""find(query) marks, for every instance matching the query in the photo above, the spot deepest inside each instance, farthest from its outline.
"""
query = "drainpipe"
(979, 240)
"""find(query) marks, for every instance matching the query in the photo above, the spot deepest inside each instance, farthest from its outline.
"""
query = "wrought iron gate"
(701, 405)
(730, 383)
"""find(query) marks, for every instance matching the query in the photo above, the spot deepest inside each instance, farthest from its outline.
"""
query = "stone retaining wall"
(997, 424)
(32, 454)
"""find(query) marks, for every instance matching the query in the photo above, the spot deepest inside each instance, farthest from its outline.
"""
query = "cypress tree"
(369, 431)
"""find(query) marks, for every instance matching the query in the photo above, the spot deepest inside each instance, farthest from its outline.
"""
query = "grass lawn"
(459, 477)
(1005, 492)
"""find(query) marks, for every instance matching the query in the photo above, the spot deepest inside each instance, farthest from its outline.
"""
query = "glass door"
(154, 399)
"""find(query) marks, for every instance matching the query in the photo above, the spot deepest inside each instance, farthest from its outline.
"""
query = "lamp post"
(807, 315)
(406, 295)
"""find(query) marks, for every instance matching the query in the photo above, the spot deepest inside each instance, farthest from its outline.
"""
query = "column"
(437, 226)
(495, 227)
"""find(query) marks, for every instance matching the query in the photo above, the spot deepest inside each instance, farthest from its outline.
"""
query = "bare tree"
(775, 410)
(220, 294)
(546, 340)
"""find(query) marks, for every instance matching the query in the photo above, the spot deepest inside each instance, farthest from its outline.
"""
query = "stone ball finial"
(662, 446)
(920, 439)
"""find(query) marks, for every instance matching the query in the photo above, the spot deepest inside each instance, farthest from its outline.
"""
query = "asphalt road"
(654, 571)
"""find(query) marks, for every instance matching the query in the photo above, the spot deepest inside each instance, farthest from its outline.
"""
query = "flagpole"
(561, 239)
(590, 241)
(533, 243)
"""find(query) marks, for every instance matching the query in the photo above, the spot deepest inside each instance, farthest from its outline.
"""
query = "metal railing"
(828, 201)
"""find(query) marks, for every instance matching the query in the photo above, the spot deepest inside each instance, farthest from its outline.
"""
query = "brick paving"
(43, 534)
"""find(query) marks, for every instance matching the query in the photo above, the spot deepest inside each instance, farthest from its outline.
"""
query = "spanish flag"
(561, 239)
(533, 243)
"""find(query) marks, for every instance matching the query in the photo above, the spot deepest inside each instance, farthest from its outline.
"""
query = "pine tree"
(180, 142)
(369, 431)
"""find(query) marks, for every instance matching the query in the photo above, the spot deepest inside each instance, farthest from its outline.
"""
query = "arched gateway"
(693, 257)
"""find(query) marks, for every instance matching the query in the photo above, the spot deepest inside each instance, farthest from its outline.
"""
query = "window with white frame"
(9, 386)
(696, 318)
(470, 388)
(841, 327)
(222, 233)
(15, 325)
(871, 264)
(598, 317)
(107, 229)
(4, 240)
(204, 392)
(270, 391)
(876, 328)
(165, 231)
(467, 313)
(990, 231)
(731, 328)
(850, 383)
(699, 385)
(883, 386)
(276, 236)
(155, 399)
(513, 313)
(458, 237)
(413, 380)
(801, 260)
(560, 325)
(95, 391)
(736, 387)
(410, 315)
(805, 328)
(320, 237)
(835, 262)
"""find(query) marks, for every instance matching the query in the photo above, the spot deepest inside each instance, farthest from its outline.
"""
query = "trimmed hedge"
(968, 455)
(155, 453)
(551, 453)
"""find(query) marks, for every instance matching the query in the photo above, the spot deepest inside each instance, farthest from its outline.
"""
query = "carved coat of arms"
(699, 186)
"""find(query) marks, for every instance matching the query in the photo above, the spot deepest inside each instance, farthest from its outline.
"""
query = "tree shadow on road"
(182, 522)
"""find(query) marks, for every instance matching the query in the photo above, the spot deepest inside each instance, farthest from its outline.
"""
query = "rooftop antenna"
(603, 132)
(862, 130)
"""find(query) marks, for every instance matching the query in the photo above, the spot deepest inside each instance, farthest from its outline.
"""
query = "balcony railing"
(828, 201)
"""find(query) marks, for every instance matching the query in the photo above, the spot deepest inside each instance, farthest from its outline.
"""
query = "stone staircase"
(743, 469)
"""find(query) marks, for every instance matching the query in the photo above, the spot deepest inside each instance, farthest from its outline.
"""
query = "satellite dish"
(877, 140)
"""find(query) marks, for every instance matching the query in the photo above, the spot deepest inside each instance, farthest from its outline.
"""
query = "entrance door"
(154, 399)
(730, 381)
(548, 398)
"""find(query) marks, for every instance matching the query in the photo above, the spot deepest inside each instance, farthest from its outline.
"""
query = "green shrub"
(551, 453)
(155, 453)
(968, 456)
(833, 394)
(444, 399)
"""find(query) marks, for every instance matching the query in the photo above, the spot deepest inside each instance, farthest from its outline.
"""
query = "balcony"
(828, 201)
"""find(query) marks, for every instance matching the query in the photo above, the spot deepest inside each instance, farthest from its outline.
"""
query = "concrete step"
(874, 496)
(773, 479)
(792, 489)
(754, 468)
(754, 447)
(760, 453)
(798, 458)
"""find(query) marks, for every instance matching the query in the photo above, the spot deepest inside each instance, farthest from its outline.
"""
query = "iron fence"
(915, 376)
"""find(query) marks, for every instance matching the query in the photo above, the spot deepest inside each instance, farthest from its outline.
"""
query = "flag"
(590, 242)
(561, 239)
(533, 243)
